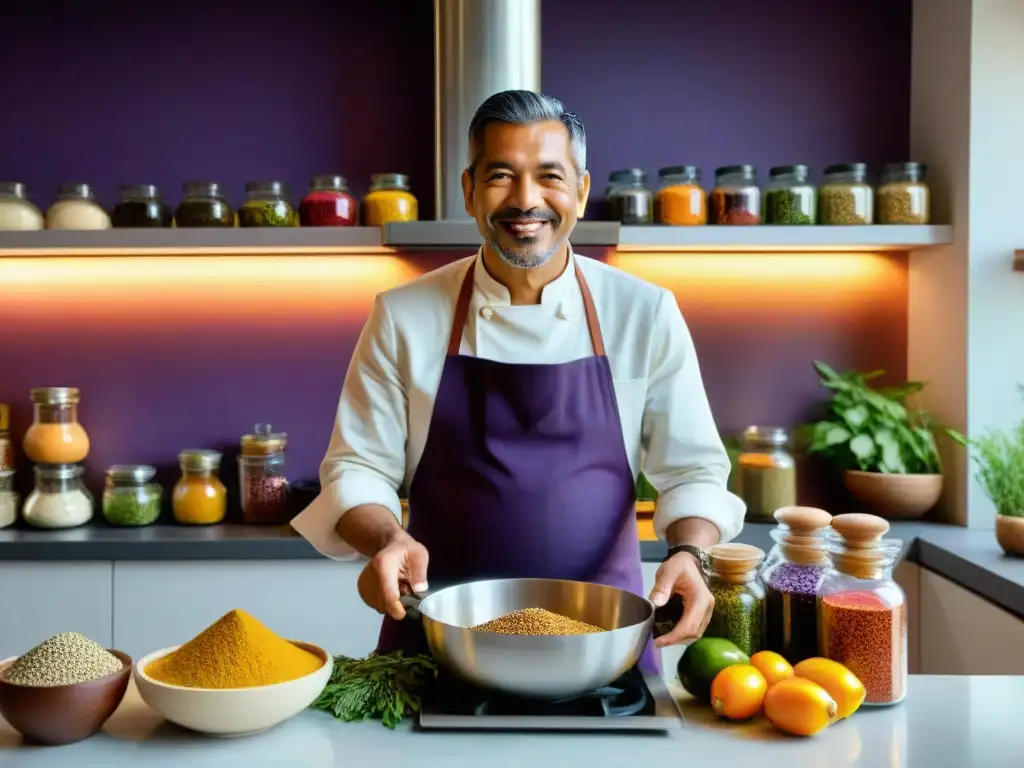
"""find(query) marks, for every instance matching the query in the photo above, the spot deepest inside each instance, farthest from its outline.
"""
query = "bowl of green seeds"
(64, 689)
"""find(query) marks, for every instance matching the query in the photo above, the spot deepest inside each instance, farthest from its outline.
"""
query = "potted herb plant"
(999, 457)
(885, 449)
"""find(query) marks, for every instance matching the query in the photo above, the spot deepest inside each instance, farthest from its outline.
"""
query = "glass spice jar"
(203, 205)
(8, 499)
(130, 498)
(680, 201)
(6, 442)
(792, 576)
(266, 205)
(328, 204)
(17, 213)
(76, 208)
(199, 497)
(55, 436)
(789, 198)
(630, 202)
(845, 197)
(60, 498)
(903, 196)
(862, 611)
(739, 596)
(766, 476)
(736, 198)
(262, 477)
(389, 200)
(141, 207)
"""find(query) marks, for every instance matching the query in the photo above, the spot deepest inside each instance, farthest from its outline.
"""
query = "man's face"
(525, 195)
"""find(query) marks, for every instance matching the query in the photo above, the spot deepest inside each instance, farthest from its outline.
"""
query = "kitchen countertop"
(968, 557)
(945, 722)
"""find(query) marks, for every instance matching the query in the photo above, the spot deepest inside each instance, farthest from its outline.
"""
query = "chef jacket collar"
(496, 294)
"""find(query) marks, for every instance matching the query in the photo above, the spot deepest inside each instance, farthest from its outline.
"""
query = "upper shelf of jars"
(790, 214)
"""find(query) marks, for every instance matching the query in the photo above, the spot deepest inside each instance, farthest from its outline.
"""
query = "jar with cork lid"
(792, 576)
(862, 610)
(262, 477)
(739, 595)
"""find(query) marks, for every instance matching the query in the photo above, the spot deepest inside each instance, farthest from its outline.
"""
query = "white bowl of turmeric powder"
(234, 678)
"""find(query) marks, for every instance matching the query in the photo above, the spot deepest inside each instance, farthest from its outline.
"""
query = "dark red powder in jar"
(328, 208)
(265, 500)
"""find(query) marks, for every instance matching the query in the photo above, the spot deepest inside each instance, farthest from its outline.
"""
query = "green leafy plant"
(873, 430)
(999, 457)
(386, 687)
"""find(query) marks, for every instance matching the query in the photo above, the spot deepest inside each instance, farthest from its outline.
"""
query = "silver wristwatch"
(697, 552)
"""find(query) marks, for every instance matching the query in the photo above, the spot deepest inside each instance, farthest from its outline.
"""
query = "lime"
(703, 660)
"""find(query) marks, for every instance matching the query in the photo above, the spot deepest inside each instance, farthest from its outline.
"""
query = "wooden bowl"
(62, 714)
(894, 496)
(1010, 534)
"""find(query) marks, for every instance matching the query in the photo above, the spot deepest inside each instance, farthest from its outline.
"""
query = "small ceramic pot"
(894, 496)
(1010, 534)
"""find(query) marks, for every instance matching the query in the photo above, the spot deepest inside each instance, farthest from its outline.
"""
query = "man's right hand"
(401, 562)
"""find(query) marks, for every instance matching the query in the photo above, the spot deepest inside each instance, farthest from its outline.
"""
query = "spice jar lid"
(75, 189)
(202, 189)
(328, 181)
(199, 459)
(855, 168)
(803, 520)
(139, 192)
(13, 189)
(734, 559)
(858, 530)
(766, 436)
(689, 171)
(736, 170)
(263, 440)
(906, 167)
(5, 417)
(270, 188)
(57, 471)
(131, 473)
(788, 170)
(801, 534)
(626, 174)
(54, 395)
(389, 181)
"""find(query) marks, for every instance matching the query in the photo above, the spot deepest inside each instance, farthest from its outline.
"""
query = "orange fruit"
(842, 685)
(772, 666)
(737, 692)
(799, 707)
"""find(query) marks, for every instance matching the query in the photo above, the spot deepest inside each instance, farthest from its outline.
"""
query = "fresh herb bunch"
(385, 687)
(999, 456)
(873, 430)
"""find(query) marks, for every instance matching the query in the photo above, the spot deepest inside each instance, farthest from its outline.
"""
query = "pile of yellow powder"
(238, 651)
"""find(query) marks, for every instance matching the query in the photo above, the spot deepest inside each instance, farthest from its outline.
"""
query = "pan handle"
(668, 615)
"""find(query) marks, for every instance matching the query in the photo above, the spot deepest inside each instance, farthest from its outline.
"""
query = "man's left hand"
(681, 574)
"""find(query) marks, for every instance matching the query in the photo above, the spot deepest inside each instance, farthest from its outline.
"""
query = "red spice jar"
(328, 204)
(862, 611)
(262, 478)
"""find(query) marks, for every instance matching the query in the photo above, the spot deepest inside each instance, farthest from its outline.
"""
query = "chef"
(515, 395)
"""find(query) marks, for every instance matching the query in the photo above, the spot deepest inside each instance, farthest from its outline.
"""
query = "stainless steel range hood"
(481, 47)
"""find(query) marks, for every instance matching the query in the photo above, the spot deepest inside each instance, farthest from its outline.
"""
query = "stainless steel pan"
(536, 666)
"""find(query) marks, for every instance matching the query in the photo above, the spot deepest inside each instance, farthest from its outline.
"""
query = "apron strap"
(466, 293)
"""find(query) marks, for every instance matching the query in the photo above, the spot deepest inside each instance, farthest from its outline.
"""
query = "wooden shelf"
(444, 235)
(320, 241)
(804, 239)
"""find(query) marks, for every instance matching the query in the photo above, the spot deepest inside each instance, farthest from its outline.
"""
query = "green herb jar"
(789, 197)
(739, 596)
(130, 498)
(266, 205)
(203, 205)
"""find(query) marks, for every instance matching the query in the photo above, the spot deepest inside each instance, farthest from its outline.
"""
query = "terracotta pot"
(1010, 534)
(894, 496)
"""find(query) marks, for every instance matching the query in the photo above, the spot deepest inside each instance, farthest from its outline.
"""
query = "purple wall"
(101, 93)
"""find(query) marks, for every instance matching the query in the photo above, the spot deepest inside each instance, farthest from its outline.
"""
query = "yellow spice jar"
(55, 436)
(389, 200)
(199, 497)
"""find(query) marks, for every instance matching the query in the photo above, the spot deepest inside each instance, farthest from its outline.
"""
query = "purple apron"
(524, 474)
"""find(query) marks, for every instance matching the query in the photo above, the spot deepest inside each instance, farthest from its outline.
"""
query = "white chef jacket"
(388, 397)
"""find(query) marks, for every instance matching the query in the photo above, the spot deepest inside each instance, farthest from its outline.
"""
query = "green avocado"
(702, 660)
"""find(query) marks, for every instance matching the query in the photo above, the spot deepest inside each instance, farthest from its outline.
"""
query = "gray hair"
(527, 108)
